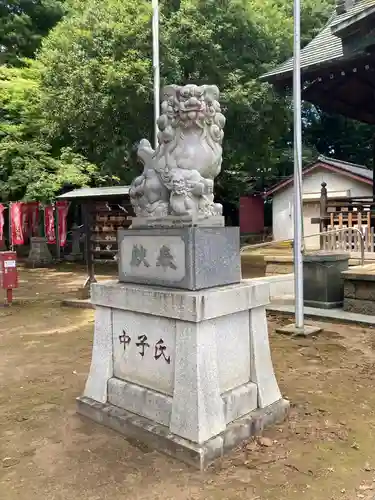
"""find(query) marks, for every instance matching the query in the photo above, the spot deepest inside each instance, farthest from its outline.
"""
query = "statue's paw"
(144, 144)
(218, 209)
(145, 151)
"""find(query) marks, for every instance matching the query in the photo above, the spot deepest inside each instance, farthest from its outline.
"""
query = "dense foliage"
(74, 110)
(23, 24)
(28, 168)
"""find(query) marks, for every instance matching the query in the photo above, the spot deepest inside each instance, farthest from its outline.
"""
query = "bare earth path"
(325, 451)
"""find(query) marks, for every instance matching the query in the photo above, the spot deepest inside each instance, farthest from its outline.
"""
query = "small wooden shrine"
(104, 211)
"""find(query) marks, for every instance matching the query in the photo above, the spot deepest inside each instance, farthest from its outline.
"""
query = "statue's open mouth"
(192, 108)
(192, 104)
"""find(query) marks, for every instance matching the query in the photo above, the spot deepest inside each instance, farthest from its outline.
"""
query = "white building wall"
(282, 214)
(335, 182)
(282, 204)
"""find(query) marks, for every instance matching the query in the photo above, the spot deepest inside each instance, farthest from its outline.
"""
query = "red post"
(8, 274)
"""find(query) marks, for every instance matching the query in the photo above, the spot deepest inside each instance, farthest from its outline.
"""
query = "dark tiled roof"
(100, 192)
(359, 171)
(352, 168)
(324, 48)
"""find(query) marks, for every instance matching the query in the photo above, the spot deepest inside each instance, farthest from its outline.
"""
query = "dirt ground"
(326, 450)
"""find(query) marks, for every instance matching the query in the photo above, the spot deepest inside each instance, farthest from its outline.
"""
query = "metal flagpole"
(156, 66)
(298, 237)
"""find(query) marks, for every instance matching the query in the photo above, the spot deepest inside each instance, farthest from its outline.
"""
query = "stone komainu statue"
(178, 178)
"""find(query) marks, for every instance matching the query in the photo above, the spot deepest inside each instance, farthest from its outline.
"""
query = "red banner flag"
(16, 223)
(2, 208)
(49, 224)
(62, 213)
(34, 218)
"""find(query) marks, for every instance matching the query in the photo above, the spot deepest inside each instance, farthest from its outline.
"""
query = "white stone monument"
(181, 356)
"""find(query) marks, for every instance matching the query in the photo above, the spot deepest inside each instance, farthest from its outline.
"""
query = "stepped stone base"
(158, 436)
(188, 372)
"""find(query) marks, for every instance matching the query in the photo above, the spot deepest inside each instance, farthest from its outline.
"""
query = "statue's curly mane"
(188, 111)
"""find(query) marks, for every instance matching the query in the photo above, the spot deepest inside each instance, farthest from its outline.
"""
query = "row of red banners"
(24, 219)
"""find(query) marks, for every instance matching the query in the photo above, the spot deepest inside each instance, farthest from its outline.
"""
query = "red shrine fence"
(354, 213)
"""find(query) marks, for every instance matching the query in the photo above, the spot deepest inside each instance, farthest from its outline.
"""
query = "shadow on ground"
(325, 451)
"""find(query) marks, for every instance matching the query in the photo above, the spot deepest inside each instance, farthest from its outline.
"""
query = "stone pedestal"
(189, 372)
(323, 284)
(191, 258)
(39, 255)
(359, 289)
(181, 355)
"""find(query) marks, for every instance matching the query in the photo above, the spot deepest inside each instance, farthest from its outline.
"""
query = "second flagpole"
(298, 236)
(156, 66)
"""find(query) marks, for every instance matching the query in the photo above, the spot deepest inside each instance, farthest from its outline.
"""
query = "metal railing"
(334, 231)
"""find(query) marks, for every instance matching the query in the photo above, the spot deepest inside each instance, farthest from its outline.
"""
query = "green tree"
(314, 15)
(91, 88)
(28, 171)
(96, 81)
(97, 77)
(18, 90)
(23, 24)
(231, 43)
(340, 137)
(28, 168)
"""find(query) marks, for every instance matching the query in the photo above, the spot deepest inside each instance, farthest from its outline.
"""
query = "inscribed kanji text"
(139, 256)
(160, 351)
(142, 344)
(165, 259)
